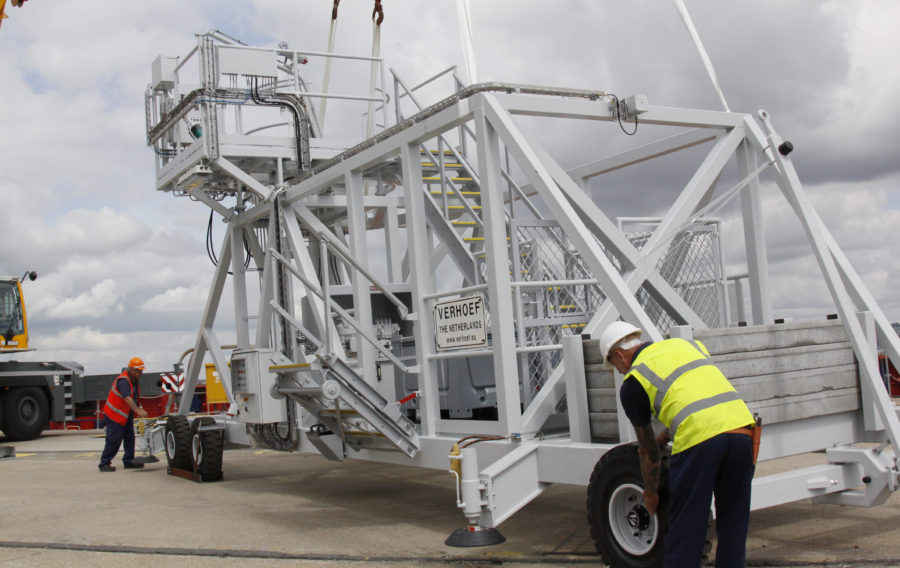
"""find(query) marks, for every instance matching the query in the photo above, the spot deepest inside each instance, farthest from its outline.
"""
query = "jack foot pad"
(474, 536)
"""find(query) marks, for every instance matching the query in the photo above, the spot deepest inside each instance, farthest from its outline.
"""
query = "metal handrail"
(331, 305)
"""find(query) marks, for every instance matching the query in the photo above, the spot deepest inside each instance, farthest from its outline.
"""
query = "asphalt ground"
(274, 509)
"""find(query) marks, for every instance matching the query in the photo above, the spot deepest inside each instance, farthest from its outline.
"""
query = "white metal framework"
(451, 256)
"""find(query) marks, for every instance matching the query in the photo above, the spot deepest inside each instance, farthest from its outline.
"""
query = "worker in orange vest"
(119, 411)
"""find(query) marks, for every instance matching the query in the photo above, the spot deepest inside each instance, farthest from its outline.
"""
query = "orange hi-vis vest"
(116, 409)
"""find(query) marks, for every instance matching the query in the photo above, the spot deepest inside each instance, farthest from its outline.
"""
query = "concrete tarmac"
(276, 509)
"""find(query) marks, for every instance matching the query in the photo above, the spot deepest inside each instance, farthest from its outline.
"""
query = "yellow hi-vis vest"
(688, 393)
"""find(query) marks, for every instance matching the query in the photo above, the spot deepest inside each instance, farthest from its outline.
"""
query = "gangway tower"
(437, 281)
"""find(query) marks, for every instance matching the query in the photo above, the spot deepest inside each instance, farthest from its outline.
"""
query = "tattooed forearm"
(650, 457)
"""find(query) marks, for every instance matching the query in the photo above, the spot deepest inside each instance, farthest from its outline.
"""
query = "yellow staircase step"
(446, 165)
(463, 193)
(437, 178)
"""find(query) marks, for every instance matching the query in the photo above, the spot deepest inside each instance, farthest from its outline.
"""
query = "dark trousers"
(721, 466)
(115, 435)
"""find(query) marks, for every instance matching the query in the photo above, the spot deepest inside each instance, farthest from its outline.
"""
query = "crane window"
(10, 309)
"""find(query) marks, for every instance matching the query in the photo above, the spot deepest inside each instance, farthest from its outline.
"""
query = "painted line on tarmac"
(277, 555)
(88, 455)
(57, 454)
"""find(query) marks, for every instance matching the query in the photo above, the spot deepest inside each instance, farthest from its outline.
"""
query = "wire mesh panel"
(556, 296)
(564, 296)
(692, 265)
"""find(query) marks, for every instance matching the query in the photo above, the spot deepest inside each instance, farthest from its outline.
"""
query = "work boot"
(106, 467)
(134, 465)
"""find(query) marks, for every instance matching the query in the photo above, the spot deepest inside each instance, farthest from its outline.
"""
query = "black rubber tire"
(178, 442)
(213, 444)
(207, 447)
(625, 535)
(196, 446)
(26, 413)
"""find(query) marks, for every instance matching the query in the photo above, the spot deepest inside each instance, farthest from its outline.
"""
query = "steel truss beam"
(517, 468)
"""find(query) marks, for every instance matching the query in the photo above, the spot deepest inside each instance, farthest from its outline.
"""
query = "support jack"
(473, 535)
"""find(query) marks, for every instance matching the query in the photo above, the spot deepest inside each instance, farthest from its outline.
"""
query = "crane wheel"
(624, 533)
(26, 413)
(207, 447)
(178, 442)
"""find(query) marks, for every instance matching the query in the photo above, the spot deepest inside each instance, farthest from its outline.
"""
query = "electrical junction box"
(252, 384)
(236, 60)
(162, 73)
(635, 105)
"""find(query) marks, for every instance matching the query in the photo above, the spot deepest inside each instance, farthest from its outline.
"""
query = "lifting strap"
(377, 18)
(464, 15)
(689, 24)
(327, 76)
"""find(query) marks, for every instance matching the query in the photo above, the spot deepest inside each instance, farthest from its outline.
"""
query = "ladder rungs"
(292, 366)
(453, 193)
(438, 178)
(363, 434)
(343, 411)
(447, 165)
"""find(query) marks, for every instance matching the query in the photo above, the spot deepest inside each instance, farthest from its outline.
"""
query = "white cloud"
(102, 299)
(178, 299)
(83, 335)
(78, 180)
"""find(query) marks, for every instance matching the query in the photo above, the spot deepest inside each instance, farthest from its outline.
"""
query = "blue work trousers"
(722, 467)
(115, 435)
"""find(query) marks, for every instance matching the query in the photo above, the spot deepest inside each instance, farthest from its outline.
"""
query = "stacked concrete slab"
(784, 372)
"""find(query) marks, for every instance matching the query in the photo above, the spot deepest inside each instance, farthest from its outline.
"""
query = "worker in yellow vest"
(711, 430)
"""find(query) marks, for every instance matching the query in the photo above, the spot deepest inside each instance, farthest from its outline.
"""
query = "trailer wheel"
(178, 442)
(207, 447)
(27, 413)
(624, 533)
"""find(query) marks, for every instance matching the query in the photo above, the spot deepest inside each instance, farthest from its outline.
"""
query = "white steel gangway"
(438, 281)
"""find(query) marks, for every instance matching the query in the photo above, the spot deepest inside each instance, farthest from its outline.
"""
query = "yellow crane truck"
(32, 393)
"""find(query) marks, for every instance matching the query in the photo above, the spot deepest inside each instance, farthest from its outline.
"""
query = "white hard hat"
(614, 333)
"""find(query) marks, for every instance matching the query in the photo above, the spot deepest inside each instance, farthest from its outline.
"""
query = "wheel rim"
(170, 444)
(27, 411)
(632, 526)
(197, 449)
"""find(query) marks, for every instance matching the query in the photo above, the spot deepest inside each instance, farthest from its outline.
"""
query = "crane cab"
(13, 322)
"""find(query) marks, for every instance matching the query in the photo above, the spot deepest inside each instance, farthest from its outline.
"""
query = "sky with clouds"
(123, 268)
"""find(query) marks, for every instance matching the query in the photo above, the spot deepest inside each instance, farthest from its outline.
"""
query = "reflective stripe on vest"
(662, 386)
(707, 395)
(116, 409)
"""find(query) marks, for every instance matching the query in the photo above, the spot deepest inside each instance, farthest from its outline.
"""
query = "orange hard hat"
(136, 363)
